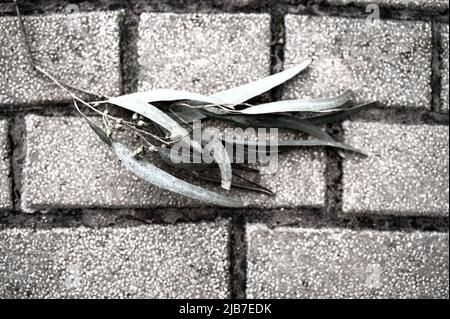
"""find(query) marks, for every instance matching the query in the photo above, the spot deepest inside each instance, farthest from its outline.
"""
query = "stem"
(39, 69)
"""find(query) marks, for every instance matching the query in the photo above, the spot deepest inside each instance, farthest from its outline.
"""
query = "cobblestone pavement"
(74, 223)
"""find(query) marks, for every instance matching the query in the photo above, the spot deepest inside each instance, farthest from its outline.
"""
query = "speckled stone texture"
(445, 68)
(406, 171)
(335, 263)
(388, 61)
(202, 53)
(157, 261)
(5, 183)
(433, 5)
(67, 166)
(79, 49)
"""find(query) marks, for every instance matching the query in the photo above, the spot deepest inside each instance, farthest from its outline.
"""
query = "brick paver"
(405, 173)
(335, 263)
(151, 261)
(79, 49)
(388, 61)
(67, 166)
(203, 53)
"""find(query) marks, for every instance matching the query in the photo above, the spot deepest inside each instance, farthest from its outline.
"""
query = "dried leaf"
(162, 179)
(303, 105)
(247, 91)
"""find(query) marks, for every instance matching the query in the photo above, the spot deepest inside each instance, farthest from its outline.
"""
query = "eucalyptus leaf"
(223, 161)
(162, 179)
(252, 187)
(247, 91)
(338, 116)
(292, 143)
(183, 114)
(303, 105)
(285, 121)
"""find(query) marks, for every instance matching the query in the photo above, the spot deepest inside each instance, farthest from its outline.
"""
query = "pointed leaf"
(183, 114)
(247, 91)
(338, 116)
(292, 143)
(284, 121)
(303, 105)
(162, 179)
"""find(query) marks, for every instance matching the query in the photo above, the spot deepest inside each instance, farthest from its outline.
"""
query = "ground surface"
(73, 223)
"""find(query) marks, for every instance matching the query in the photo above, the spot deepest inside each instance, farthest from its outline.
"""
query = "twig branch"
(39, 69)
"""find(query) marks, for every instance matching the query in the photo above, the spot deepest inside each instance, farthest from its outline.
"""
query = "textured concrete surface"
(79, 49)
(202, 53)
(436, 5)
(332, 263)
(5, 183)
(406, 172)
(445, 67)
(67, 166)
(183, 261)
(387, 61)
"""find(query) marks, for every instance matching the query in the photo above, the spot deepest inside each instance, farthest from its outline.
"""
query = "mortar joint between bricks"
(436, 67)
(238, 257)
(310, 7)
(17, 144)
(277, 48)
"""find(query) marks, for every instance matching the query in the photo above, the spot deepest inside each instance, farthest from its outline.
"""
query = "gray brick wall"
(336, 263)
(79, 49)
(5, 183)
(151, 261)
(405, 173)
(388, 61)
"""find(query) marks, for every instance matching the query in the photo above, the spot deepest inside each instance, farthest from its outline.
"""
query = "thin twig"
(39, 69)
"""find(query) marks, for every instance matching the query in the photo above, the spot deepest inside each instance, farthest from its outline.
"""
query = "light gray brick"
(434, 5)
(388, 61)
(445, 67)
(406, 171)
(67, 166)
(5, 182)
(157, 261)
(336, 263)
(203, 53)
(79, 49)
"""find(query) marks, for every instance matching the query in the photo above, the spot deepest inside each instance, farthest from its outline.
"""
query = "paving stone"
(151, 261)
(337, 263)
(406, 171)
(388, 61)
(445, 68)
(434, 5)
(68, 167)
(5, 183)
(79, 49)
(202, 53)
